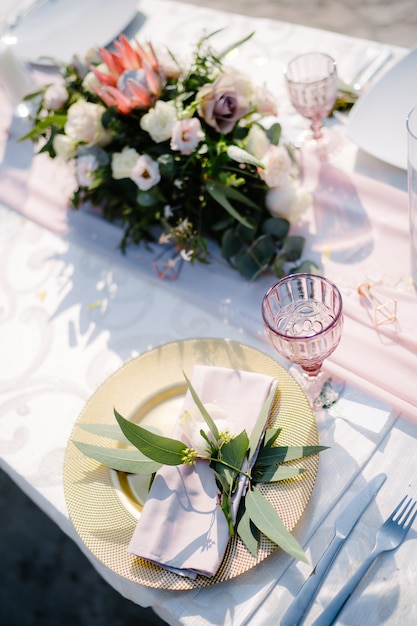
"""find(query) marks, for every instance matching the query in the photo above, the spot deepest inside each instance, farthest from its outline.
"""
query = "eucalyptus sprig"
(231, 457)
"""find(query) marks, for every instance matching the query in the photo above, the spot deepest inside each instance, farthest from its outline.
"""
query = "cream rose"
(123, 162)
(84, 124)
(289, 201)
(55, 96)
(159, 121)
(64, 147)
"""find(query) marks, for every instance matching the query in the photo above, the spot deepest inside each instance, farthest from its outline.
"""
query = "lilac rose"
(224, 102)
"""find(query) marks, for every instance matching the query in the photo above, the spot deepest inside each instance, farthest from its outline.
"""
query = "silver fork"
(391, 534)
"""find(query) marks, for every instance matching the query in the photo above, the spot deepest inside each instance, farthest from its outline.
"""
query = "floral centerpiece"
(176, 155)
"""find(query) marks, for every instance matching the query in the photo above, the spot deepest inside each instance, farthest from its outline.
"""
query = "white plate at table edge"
(377, 122)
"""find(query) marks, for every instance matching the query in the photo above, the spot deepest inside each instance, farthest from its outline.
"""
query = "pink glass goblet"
(312, 86)
(303, 318)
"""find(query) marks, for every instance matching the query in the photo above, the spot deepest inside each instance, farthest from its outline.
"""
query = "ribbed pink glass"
(303, 318)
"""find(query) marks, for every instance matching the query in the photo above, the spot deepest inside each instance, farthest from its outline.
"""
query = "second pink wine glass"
(312, 86)
(303, 317)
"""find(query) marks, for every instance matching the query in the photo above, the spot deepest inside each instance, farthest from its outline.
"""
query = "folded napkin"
(182, 527)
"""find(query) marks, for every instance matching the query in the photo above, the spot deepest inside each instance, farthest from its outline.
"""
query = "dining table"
(75, 310)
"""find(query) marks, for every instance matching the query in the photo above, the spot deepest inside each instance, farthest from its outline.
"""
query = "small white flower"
(145, 173)
(64, 147)
(159, 121)
(192, 422)
(278, 166)
(168, 212)
(186, 255)
(86, 166)
(123, 162)
(186, 135)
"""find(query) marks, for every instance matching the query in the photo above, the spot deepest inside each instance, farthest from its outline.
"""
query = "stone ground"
(46, 580)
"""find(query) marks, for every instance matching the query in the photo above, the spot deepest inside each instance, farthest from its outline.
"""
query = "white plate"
(377, 122)
(62, 28)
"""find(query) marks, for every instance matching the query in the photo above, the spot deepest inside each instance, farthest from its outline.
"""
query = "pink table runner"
(358, 231)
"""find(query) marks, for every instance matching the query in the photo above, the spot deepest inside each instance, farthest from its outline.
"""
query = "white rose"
(289, 201)
(86, 166)
(64, 147)
(159, 121)
(55, 96)
(278, 166)
(84, 124)
(145, 173)
(257, 142)
(123, 162)
(192, 422)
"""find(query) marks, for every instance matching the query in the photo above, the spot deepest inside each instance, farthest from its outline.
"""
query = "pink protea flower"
(135, 78)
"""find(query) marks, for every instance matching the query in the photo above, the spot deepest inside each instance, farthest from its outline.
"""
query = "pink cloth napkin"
(182, 528)
(362, 235)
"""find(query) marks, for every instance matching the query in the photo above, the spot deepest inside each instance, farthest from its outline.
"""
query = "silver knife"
(344, 523)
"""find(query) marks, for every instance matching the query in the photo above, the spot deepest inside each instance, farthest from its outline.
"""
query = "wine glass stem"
(316, 127)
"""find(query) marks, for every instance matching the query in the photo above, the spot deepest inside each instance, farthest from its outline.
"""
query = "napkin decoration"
(182, 527)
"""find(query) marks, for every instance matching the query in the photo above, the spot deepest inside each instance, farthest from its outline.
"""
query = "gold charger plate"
(101, 503)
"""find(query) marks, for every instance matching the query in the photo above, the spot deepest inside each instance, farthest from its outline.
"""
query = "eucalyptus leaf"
(254, 260)
(271, 435)
(231, 244)
(274, 133)
(259, 427)
(120, 459)
(210, 423)
(278, 227)
(220, 194)
(110, 431)
(308, 267)
(292, 248)
(274, 473)
(160, 449)
(247, 530)
(281, 454)
(267, 520)
(233, 453)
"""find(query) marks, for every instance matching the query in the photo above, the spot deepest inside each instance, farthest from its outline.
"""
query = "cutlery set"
(390, 535)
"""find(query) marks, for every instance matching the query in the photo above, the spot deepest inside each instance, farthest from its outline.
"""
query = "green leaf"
(120, 459)
(281, 454)
(267, 520)
(233, 453)
(274, 473)
(259, 427)
(308, 267)
(271, 435)
(210, 423)
(292, 248)
(254, 260)
(160, 449)
(218, 193)
(242, 156)
(247, 530)
(231, 244)
(111, 431)
(274, 133)
(278, 227)
(226, 51)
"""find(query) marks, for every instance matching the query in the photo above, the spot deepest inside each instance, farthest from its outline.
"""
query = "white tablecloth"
(72, 310)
